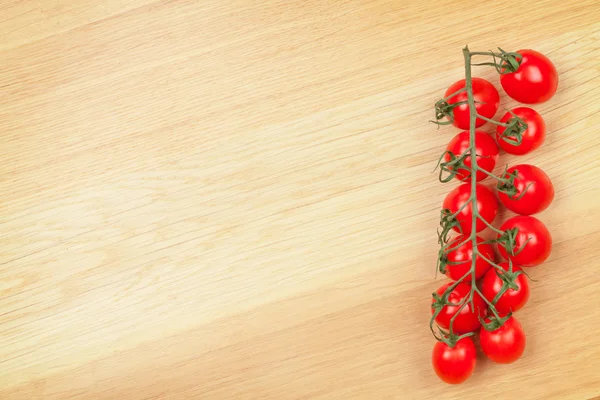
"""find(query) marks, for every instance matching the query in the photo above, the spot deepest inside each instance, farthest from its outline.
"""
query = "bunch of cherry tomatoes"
(483, 294)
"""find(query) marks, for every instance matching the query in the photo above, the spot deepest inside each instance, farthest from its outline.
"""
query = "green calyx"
(510, 62)
(507, 185)
(448, 221)
(513, 132)
(504, 62)
(508, 240)
(443, 109)
(439, 302)
(451, 167)
(443, 113)
(495, 322)
(509, 281)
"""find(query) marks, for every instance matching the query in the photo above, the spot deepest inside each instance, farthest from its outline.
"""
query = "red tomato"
(505, 344)
(459, 258)
(532, 137)
(486, 98)
(485, 148)
(539, 191)
(537, 249)
(454, 364)
(535, 81)
(487, 206)
(512, 299)
(467, 320)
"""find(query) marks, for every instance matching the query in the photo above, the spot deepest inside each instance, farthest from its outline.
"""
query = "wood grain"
(232, 199)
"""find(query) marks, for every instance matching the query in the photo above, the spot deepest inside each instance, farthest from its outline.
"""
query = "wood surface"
(234, 199)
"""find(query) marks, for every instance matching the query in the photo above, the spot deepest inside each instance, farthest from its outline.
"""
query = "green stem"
(459, 91)
(487, 260)
(473, 150)
(457, 213)
(492, 121)
(492, 175)
(490, 304)
(498, 231)
(473, 115)
(484, 53)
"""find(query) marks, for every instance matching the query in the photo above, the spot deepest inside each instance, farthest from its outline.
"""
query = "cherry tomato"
(486, 98)
(535, 81)
(534, 239)
(466, 320)
(532, 137)
(460, 256)
(487, 205)
(454, 364)
(512, 299)
(505, 344)
(539, 191)
(485, 148)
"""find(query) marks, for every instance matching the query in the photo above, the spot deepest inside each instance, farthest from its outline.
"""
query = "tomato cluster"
(483, 294)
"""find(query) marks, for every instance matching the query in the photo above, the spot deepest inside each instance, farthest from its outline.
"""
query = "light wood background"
(233, 199)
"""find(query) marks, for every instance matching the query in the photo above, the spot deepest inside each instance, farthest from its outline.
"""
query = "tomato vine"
(504, 62)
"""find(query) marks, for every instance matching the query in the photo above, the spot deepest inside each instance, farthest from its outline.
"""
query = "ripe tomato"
(486, 98)
(533, 232)
(535, 81)
(459, 258)
(485, 148)
(487, 205)
(467, 320)
(532, 137)
(505, 344)
(454, 364)
(512, 299)
(539, 191)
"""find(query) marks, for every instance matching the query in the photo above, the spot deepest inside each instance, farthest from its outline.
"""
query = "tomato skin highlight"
(487, 204)
(535, 81)
(487, 100)
(532, 137)
(467, 320)
(513, 299)
(505, 344)
(463, 254)
(539, 191)
(454, 365)
(485, 148)
(538, 238)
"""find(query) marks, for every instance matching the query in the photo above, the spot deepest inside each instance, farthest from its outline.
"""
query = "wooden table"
(234, 199)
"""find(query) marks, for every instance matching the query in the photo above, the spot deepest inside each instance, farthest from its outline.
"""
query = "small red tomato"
(485, 148)
(467, 320)
(539, 191)
(533, 240)
(505, 344)
(486, 98)
(454, 364)
(487, 205)
(532, 137)
(459, 258)
(535, 81)
(512, 299)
